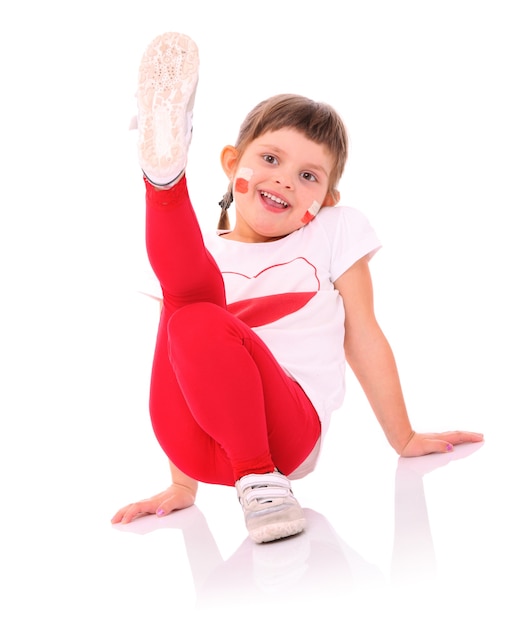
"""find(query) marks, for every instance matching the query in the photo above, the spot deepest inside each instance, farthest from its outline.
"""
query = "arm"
(370, 356)
(180, 495)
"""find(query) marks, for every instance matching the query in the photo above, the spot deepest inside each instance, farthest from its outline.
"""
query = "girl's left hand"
(173, 498)
(421, 444)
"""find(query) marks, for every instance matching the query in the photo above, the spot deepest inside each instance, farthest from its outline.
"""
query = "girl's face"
(279, 183)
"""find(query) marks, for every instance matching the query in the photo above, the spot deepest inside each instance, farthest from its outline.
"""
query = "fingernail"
(449, 447)
(160, 512)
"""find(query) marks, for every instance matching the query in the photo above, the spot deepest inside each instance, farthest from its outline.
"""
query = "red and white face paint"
(242, 178)
(273, 195)
(311, 212)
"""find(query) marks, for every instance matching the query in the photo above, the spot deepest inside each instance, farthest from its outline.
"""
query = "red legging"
(221, 406)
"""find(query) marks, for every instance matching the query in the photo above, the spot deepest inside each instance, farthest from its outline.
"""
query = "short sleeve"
(351, 238)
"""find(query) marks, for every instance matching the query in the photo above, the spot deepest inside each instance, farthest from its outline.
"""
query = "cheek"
(242, 178)
(312, 211)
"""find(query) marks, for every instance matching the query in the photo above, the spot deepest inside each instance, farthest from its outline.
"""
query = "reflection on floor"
(317, 569)
(445, 541)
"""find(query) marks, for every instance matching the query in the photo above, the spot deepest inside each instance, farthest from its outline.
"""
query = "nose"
(284, 178)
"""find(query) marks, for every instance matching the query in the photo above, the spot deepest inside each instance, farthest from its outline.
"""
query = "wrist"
(401, 448)
(186, 493)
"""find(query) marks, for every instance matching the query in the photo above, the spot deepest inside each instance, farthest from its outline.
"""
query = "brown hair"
(317, 121)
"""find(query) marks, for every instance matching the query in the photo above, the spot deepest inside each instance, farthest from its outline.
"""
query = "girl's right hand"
(173, 498)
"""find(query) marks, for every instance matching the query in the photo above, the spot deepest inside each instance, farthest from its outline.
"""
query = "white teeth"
(274, 198)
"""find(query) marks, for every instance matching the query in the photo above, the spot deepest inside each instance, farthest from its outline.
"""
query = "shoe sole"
(278, 530)
(168, 75)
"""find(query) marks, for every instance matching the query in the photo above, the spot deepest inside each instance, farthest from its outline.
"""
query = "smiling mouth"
(276, 201)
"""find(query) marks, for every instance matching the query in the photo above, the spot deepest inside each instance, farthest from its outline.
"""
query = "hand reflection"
(413, 557)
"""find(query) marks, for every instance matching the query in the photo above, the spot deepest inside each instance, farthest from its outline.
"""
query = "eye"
(309, 177)
(269, 158)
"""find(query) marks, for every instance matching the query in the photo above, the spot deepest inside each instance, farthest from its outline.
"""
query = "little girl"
(258, 321)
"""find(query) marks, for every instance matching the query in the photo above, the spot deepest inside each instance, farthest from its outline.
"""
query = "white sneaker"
(270, 510)
(168, 75)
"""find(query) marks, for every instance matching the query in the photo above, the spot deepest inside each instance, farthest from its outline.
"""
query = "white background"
(434, 95)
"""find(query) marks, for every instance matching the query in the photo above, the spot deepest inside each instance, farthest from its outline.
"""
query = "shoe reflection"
(315, 562)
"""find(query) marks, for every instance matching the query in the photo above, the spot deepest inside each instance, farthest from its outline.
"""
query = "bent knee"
(195, 321)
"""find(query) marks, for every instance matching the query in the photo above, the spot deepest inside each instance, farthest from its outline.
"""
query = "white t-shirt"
(284, 290)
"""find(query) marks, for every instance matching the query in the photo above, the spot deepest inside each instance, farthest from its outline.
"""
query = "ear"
(229, 160)
(332, 198)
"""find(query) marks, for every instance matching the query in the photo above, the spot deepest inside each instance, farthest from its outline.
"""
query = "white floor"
(412, 541)
(435, 99)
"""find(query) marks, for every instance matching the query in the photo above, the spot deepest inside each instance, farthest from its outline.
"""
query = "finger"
(138, 510)
(437, 446)
(134, 511)
(164, 508)
(461, 436)
(119, 515)
(426, 445)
